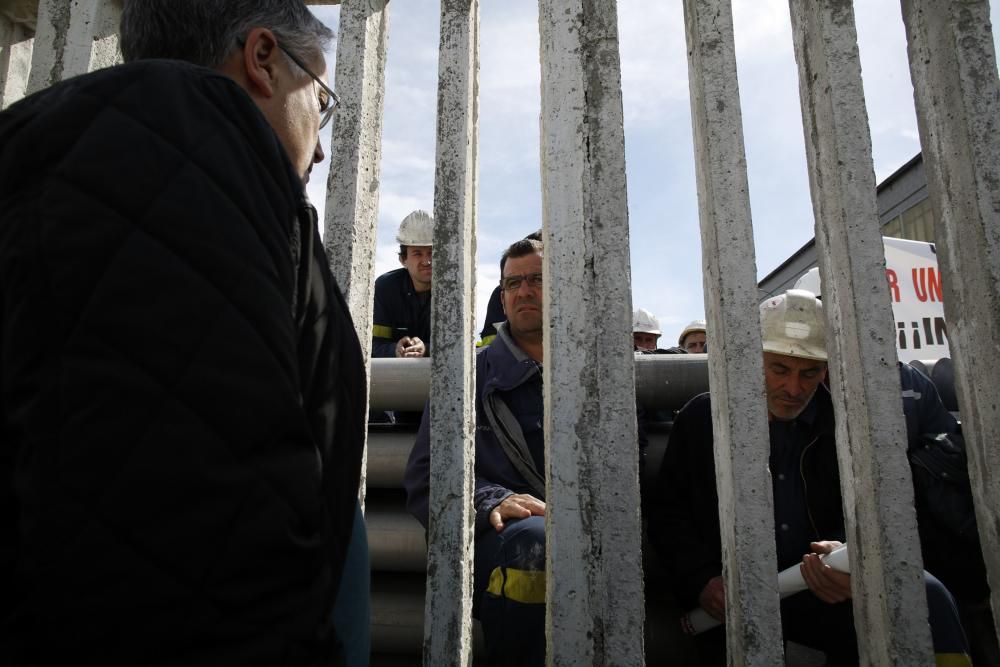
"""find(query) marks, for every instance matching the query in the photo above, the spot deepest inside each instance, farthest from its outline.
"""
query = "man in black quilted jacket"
(181, 387)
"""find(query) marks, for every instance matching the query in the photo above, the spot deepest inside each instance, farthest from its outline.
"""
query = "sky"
(662, 199)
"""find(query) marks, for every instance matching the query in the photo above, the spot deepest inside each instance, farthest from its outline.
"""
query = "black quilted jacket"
(180, 420)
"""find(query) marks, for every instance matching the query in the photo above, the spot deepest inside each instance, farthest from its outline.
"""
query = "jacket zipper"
(805, 485)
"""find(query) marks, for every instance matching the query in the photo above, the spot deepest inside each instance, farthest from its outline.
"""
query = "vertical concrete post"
(448, 628)
(355, 161)
(15, 60)
(594, 581)
(954, 70)
(103, 32)
(890, 605)
(73, 37)
(742, 441)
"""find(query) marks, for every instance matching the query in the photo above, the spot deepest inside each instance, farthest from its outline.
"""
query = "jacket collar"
(507, 365)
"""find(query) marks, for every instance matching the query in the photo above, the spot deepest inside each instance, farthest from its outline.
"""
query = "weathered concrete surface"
(15, 60)
(954, 71)
(594, 582)
(355, 161)
(73, 37)
(742, 441)
(355, 156)
(448, 630)
(890, 605)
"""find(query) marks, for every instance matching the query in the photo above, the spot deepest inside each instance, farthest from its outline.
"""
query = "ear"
(259, 59)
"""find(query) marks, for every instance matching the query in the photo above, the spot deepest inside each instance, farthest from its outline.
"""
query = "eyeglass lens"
(514, 282)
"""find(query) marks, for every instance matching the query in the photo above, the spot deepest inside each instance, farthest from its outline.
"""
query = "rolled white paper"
(790, 582)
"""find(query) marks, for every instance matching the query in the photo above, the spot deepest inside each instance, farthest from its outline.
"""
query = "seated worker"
(684, 521)
(510, 470)
(949, 535)
(494, 309)
(401, 314)
(509, 499)
(645, 330)
(692, 339)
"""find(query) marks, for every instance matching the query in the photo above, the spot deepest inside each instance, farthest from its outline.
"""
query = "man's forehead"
(525, 260)
(789, 361)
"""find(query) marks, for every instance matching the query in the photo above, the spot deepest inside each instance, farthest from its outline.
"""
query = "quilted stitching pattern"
(170, 485)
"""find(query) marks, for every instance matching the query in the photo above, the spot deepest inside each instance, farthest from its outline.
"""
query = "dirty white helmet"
(644, 321)
(694, 327)
(416, 229)
(810, 281)
(792, 324)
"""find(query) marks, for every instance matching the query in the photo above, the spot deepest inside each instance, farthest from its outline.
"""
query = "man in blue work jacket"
(401, 317)
(509, 500)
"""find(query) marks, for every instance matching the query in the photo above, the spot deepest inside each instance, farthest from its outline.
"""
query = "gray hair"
(204, 32)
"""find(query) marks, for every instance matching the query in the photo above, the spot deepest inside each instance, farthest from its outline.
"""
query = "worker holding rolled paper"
(808, 515)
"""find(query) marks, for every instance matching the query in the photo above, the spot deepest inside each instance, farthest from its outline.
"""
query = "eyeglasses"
(327, 103)
(513, 283)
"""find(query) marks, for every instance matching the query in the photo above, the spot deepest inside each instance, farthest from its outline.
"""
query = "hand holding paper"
(790, 582)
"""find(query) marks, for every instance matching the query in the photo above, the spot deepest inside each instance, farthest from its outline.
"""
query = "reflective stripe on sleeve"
(381, 331)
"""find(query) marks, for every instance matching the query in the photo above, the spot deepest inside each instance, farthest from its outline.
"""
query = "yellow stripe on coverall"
(526, 586)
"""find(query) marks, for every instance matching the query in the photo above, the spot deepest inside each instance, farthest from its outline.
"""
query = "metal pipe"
(397, 623)
(663, 381)
(395, 539)
(388, 451)
(668, 381)
(399, 384)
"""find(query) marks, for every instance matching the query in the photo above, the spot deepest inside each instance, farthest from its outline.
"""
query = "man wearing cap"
(401, 320)
(645, 330)
(684, 526)
(692, 338)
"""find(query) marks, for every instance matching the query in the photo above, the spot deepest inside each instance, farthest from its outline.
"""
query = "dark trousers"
(352, 610)
(509, 593)
(807, 620)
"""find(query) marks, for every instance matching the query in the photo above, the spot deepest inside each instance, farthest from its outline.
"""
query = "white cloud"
(664, 229)
(653, 59)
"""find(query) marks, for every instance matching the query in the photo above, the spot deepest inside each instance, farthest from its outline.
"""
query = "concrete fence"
(595, 576)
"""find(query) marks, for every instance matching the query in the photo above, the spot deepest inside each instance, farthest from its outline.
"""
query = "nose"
(318, 154)
(794, 387)
(525, 285)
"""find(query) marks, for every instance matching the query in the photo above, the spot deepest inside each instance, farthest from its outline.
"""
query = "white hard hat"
(792, 324)
(644, 321)
(810, 281)
(695, 326)
(416, 229)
